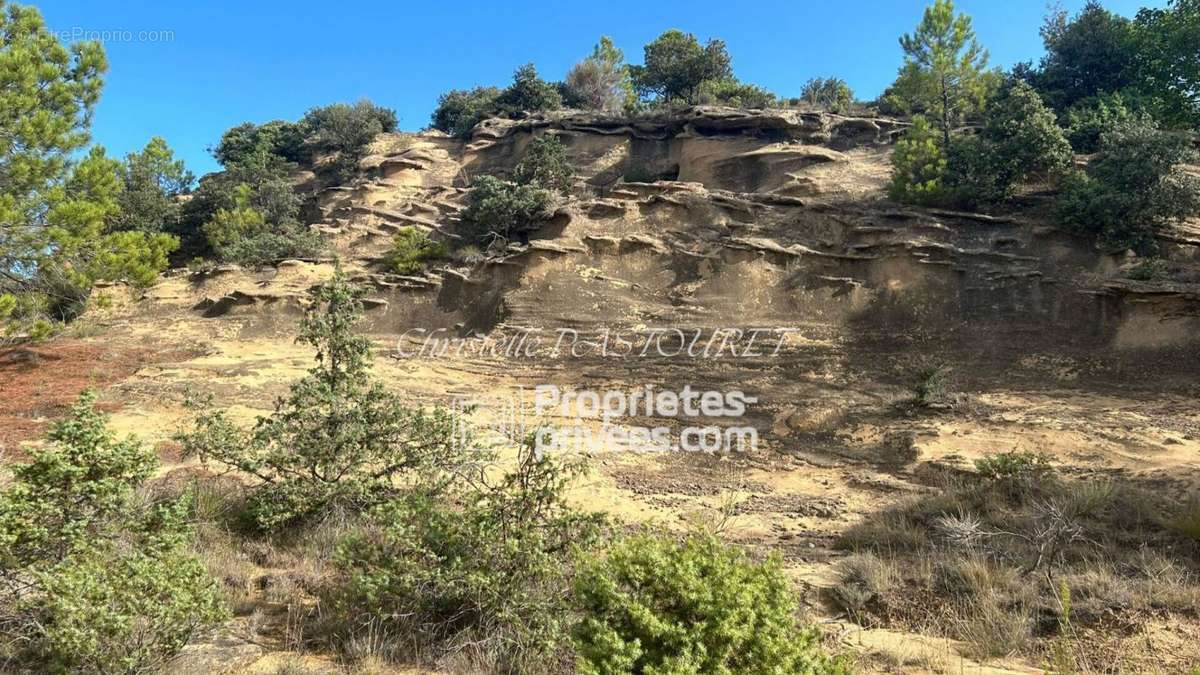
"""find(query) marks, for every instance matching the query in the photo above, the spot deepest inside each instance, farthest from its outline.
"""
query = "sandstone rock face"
(714, 216)
(723, 148)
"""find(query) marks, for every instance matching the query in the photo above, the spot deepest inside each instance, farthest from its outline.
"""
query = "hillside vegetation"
(963, 319)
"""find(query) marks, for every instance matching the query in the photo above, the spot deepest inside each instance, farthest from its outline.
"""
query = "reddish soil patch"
(39, 383)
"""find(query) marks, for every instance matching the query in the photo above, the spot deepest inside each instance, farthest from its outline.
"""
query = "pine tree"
(57, 213)
(153, 178)
(46, 106)
(339, 441)
(945, 70)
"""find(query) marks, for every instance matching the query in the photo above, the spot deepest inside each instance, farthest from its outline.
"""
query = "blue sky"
(225, 62)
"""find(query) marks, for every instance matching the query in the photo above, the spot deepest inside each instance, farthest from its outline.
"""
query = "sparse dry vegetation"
(988, 557)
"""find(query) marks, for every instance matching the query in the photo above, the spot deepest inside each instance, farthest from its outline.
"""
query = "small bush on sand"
(927, 378)
(864, 583)
(697, 606)
(1016, 473)
(91, 578)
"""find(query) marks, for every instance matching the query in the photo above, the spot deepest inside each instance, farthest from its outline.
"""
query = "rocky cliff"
(751, 217)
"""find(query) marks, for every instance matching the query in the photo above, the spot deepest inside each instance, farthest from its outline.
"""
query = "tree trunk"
(945, 113)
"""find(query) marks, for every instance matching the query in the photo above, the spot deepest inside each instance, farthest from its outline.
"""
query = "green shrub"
(339, 128)
(1133, 189)
(528, 93)
(458, 111)
(1020, 140)
(1088, 120)
(347, 128)
(345, 131)
(271, 192)
(490, 567)
(73, 491)
(248, 214)
(1017, 474)
(264, 248)
(729, 91)
(129, 610)
(239, 144)
(243, 235)
(1015, 464)
(411, 249)
(153, 181)
(231, 225)
(976, 174)
(340, 442)
(498, 210)
(928, 380)
(656, 606)
(832, 94)
(1027, 137)
(545, 165)
(918, 166)
(94, 580)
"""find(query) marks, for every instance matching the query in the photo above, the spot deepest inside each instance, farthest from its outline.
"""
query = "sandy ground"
(824, 468)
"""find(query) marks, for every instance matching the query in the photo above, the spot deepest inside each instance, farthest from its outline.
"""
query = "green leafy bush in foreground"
(657, 606)
(129, 610)
(485, 571)
(91, 578)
